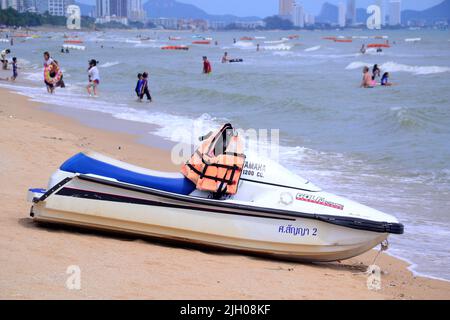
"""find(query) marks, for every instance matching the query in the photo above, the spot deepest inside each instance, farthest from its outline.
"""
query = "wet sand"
(34, 258)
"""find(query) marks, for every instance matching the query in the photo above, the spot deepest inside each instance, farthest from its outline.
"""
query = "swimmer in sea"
(225, 57)
(376, 72)
(385, 80)
(367, 79)
(206, 66)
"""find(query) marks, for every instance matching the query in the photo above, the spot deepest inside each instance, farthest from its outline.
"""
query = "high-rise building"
(136, 11)
(351, 12)
(395, 12)
(310, 19)
(118, 8)
(58, 7)
(102, 8)
(299, 16)
(286, 9)
(341, 15)
(15, 4)
(380, 3)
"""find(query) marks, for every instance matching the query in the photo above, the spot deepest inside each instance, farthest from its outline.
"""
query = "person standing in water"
(4, 58)
(94, 78)
(14, 67)
(144, 88)
(206, 66)
(138, 85)
(363, 49)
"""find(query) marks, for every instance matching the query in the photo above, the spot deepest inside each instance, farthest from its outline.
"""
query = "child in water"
(138, 85)
(385, 80)
(14, 66)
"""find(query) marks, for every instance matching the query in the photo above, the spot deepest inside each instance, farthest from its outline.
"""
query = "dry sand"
(34, 258)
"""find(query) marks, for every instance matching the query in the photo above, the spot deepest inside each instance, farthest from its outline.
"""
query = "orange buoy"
(201, 42)
(378, 45)
(343, 40)
(175, 48)
(73, 41)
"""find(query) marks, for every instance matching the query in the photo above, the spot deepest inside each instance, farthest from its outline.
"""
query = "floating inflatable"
(378, 45)
(175, 48)
(343, 40)
(329, 38)
(413, 40)
(247, 38)
(52, 74)
(73, 41)
(201, 42)
(74, 47)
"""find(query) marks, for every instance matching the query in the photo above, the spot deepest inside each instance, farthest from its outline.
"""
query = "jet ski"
(270, 211)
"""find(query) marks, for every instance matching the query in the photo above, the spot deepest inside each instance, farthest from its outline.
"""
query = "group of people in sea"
(4, 61)
(53, 75)
(370, 78)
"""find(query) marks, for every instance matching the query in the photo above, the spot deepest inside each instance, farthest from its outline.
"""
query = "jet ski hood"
(267, 171)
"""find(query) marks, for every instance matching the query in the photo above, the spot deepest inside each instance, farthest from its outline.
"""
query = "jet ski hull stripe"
(276, 185)
(84, 194)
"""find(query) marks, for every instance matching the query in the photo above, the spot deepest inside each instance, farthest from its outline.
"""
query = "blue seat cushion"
(81, 163)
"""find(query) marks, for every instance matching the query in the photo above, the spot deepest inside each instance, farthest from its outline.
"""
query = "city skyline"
(264, 8)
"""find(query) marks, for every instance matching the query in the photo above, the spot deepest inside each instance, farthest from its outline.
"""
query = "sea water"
(388, 148)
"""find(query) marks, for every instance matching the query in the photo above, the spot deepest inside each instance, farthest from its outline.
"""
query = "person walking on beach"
(206, 66)
(144, 88)
(4, 58)
(94, 78)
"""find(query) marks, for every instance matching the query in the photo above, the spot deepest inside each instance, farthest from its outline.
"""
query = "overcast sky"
(265, 8)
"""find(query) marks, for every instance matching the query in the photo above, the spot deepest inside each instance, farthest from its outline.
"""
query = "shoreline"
(36, 141)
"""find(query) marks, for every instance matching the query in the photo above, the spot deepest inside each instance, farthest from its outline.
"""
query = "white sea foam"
(312, 49)
(109, 64)
(397, 67)
(245, 45)
(280, 47)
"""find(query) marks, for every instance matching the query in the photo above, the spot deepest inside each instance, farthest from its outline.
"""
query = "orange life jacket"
(217, 164)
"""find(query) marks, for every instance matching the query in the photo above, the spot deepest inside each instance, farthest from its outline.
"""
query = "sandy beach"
(35, 258)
